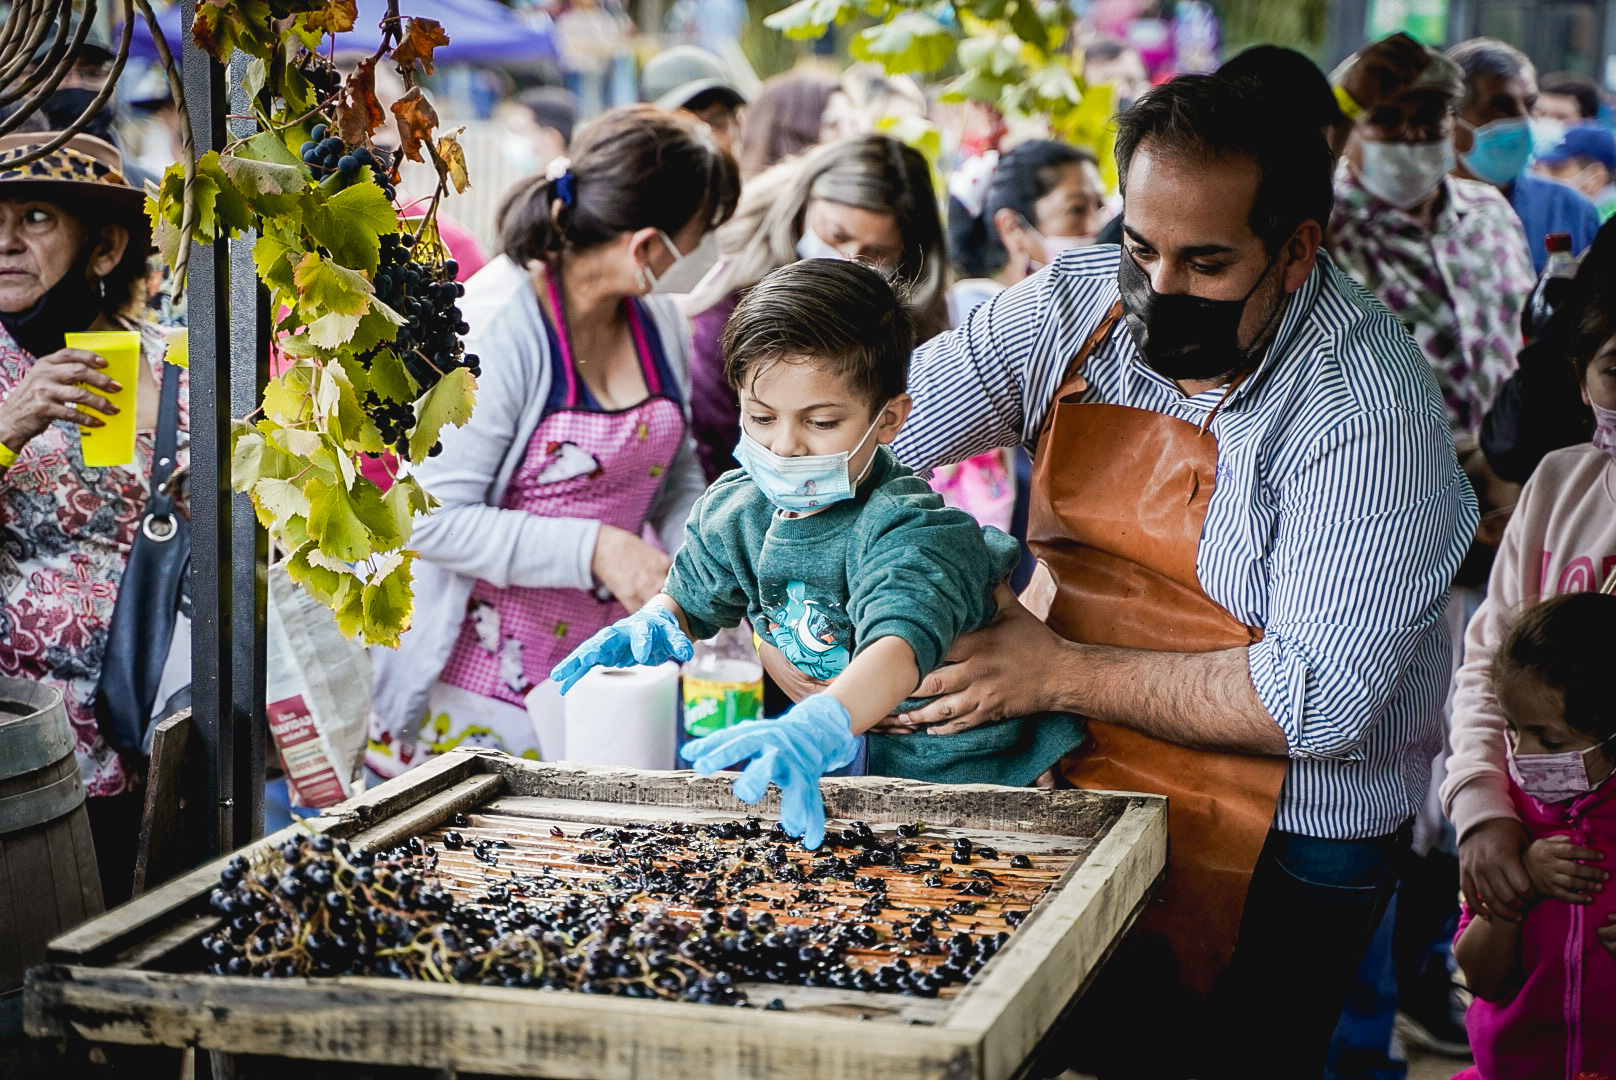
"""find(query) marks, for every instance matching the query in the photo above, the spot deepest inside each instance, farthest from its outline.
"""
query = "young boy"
(839, 555)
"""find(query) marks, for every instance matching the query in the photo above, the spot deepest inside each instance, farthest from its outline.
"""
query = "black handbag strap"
(160, 502)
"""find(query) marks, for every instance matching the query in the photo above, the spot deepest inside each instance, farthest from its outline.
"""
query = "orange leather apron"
(1119, 499)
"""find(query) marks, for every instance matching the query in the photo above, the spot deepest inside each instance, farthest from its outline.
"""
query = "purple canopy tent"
(482, 32)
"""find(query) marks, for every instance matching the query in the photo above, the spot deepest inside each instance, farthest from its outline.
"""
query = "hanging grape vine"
(363, 299)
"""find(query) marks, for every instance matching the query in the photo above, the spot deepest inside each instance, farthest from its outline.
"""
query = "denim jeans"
(1312, 909)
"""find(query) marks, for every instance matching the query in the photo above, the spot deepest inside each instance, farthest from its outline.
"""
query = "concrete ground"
(1424, 1066)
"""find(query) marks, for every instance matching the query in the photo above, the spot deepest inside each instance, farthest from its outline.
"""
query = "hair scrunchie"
(560, 175)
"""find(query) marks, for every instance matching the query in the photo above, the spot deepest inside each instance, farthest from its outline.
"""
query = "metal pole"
(227, 344)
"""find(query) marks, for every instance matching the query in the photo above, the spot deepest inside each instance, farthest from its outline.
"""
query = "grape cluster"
(338, 165)
(429, 342)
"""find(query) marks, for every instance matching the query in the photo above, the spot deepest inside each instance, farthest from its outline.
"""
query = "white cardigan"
(469, 536)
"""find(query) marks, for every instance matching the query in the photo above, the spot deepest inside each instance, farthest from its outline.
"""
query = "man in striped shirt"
(1338, 517)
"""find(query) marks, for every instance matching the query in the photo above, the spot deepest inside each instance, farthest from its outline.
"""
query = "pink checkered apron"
(579, 463)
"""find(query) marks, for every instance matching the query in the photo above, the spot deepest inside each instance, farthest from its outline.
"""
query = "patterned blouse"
(1459, 286)
(65, 535)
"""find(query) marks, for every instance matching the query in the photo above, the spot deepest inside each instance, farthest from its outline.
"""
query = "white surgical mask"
(1546, 133)
(813, 246)
(1604, 429)
(1551, 778)
(807, 482)
(1405, 174)
(649, 277)
(1053, 245)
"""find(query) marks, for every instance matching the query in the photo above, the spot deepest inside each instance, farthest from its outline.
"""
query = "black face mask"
(1187, 337)
(68, 306)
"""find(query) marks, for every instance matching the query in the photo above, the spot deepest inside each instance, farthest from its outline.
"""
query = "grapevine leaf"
(350, 225)
(453, 155)
(912, 41)
(286, 397)
(379, 324)
(350, 608)
(252, 80)
(334, 520)
(272, 256)
(1055, 83)
(406, 498)
(299, 442)
(332, 330)
(421, 38)
(449, 402)
(326, 286)
(353, 428)
(229, 213)
(416, 118)
(278, 499)
(246, 459)
(358, 114)
(327, 390)
(808, 19)
(388, 602)
(391, 379)
(325, 585)
(272, 186)
(973, 86)
(223, 26)
(335, 17)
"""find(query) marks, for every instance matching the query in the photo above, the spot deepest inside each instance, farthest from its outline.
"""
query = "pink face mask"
(1551, 778)
(1605, 430)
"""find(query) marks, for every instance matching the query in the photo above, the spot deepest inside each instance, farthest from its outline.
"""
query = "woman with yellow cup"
(76, 441)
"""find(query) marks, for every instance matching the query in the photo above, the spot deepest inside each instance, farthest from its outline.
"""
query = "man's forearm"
(1202, 700)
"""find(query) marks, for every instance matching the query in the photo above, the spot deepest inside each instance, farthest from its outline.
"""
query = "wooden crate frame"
(103, 981)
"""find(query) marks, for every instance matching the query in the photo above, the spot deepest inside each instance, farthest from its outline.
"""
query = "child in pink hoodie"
(1545, 984)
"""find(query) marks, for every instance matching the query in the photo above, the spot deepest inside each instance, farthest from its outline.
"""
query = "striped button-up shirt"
(1339, 516)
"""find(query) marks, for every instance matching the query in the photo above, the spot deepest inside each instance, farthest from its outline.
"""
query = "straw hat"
(85, 168)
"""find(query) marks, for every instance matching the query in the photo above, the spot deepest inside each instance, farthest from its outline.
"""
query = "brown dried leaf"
(453, 158)
(358, 113)
(421, 37)
(416, 118)
(336, 17)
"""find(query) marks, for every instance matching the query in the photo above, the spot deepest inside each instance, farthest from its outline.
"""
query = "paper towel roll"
(546, 710)
(623, 716)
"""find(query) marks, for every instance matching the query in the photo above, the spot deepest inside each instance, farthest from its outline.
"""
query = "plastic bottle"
(1552, 285)
(723, 683)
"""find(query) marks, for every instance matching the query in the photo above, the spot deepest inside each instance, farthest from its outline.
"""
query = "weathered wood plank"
(158, 854)
(1021, 993)
(430, 813)
(483, 1029)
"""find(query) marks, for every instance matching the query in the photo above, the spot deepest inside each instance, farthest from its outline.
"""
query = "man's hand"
(1384, 70)
(1558, 868)
(987, 678)
(1491, 874)
(786, 675)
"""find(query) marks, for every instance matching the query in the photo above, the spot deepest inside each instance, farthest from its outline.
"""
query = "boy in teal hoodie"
(834, 551)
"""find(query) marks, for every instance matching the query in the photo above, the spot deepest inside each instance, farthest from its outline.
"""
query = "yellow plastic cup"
(113, 443)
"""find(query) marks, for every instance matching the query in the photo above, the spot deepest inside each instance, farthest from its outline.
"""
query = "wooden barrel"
(48, 879)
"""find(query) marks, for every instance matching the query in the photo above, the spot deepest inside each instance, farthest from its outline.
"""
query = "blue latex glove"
(649, 636)
(793, 752)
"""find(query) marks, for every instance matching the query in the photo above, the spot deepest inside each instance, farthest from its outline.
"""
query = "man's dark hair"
(843, 315)
(1210, 118)
(1290, 81)
(1585, 90)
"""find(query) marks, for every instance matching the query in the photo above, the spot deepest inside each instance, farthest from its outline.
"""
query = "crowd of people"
(1276, 481)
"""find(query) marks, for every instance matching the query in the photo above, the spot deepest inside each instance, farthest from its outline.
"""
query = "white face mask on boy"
(813, 246)
(1404, 174)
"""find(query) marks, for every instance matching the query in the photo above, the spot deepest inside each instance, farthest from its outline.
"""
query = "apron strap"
(1092, 342)
(563, 336)
(642, 344)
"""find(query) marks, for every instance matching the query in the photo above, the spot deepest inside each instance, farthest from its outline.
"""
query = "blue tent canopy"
(480, 32)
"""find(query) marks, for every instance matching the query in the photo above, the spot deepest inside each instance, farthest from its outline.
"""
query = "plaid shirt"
(1459, 287)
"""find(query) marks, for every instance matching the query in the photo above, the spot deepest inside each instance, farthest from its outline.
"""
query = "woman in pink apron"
(562, 496)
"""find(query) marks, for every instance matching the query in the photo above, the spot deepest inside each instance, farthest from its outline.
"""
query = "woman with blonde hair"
(867, 198)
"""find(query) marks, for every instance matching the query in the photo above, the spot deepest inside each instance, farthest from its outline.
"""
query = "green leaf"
(351, 426)
(380, 324)
(808, 19)
(298, 442)
(911, 41)
(351, 223)
(332, 330)
(246, 459)
(325, 286)
(228, 213)
(262, 173)
(402, 500)
(330, 587)
(974, 85)
(350, 611)
(449, 402)
(391, 379)
(252, 80)
(286, 397)
(278, 499)
(388, 602)
(273, 257)
(335, 524)
(1055, 83)
(294, 532)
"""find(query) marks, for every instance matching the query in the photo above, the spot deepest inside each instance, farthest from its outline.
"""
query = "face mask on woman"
(66, 307)
(1552, 778)
(1604, 429)
(1052, 246)
(813, 246)
(1405, 174)
(1499, 151)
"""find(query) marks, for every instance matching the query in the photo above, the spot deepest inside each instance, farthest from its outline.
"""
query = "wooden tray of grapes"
(513, 918)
